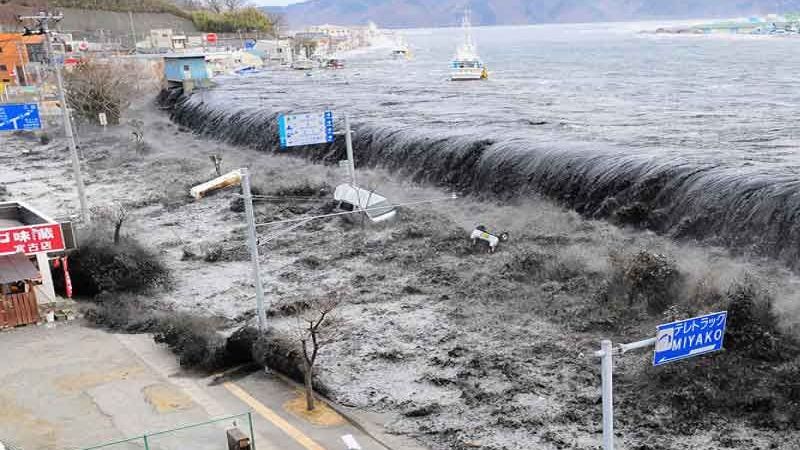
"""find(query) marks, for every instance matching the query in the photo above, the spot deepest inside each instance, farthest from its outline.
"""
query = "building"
(312, 44)
(333, 31)
(27, 239)
(16, 54)
(179, 68)
(161, 38)
(276, 51)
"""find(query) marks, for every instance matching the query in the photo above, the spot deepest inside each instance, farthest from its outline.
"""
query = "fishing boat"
(467, 65)
(401, 50)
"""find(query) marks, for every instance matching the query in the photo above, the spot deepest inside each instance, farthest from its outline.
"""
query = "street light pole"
(44, 19)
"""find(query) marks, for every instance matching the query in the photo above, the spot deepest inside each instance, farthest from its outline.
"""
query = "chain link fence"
(209, 435)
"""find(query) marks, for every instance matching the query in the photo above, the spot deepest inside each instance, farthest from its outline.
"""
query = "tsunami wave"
(745, 208)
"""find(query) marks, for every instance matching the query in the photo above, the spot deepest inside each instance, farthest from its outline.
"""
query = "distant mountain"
(430, 13)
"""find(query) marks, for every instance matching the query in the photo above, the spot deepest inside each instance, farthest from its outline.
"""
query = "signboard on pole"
(211, 38)
(305, 129)
(688, 338)
(22, 116)
(31, 239)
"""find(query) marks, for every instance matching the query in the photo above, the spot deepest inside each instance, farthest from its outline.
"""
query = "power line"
(358, 211)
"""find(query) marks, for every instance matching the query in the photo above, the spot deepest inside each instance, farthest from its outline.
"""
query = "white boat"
(401, 51)
(467, 65)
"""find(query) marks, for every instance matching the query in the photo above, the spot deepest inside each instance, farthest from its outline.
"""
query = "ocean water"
(693, 136)
(716, 98)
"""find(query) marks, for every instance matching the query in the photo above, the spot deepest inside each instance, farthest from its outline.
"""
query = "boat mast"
(466, 25)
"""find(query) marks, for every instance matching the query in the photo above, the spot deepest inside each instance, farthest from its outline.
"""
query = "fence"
(209, 435)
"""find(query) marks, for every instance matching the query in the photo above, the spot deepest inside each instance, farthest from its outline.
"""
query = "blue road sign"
(305, 129)
(249, 44)
(22, 116)
(690, 337)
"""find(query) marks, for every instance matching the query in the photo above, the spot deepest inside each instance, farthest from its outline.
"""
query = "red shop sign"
(31, 239)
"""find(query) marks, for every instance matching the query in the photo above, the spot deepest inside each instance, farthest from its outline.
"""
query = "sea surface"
(719, 98)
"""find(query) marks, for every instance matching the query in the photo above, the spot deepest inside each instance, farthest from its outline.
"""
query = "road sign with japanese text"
(305, 129)
(688, 338)
(31, 239)
(23, 116)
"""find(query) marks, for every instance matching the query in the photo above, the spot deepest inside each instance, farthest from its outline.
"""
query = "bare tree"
(234, 5)
(317, 327)
(279, 22)
(214, 5)
(137, 133)
(100, 87)
(113, 214)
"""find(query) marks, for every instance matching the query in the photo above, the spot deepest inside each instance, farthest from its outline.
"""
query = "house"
(15, 56)
(312, 44)
(161, 38)
(27, 240)
(277, 51)
(186, 67)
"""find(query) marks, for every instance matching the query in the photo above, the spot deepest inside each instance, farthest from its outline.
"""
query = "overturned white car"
(480, 233)
(354, 198)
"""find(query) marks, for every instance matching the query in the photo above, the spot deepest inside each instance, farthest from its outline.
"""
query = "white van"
(352, 198)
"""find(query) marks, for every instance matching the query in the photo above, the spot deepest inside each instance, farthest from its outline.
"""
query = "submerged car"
(354, 198)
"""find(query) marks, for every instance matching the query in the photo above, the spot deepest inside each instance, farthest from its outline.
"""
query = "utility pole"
(351, 162)
(43, 20)
(253, 244)
(133, 32)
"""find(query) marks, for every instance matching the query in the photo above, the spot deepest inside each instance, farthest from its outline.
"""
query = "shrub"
(121, 312)
(101, 266)
(525, 265)
(193, 339)
(645, 279)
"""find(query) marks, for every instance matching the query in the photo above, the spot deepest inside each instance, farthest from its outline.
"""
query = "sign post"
(22, 116)
(674, 341)
(348, 137)
(305, 129)
(688, 338)
(309, 129)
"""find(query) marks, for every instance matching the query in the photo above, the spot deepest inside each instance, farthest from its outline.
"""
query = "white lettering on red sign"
(31, 239)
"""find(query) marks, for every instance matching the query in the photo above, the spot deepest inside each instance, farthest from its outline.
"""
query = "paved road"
(73, 387)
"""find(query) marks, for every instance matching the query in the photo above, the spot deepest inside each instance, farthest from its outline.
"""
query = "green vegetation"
(244, 19)
(247, 19)
(153, 6)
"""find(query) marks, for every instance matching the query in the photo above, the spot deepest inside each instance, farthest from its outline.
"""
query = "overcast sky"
(275, 2)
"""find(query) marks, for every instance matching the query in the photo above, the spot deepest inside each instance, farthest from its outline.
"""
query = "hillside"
(427, 13)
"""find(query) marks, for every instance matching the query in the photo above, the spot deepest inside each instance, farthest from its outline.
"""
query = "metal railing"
(171, 439)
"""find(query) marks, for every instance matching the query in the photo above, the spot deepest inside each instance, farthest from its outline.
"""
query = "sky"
(275, 2)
